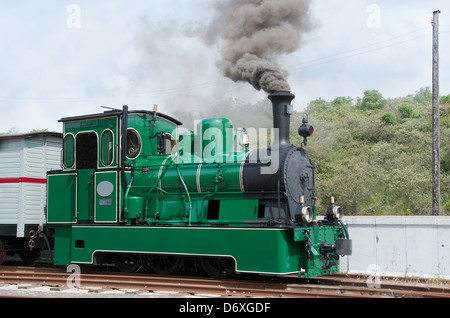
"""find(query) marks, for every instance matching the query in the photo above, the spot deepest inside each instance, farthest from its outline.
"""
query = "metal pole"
(436, 165)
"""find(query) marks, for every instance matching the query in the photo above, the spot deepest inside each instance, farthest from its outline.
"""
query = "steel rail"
(330, 287)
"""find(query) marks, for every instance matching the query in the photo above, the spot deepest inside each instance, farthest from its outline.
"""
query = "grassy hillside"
(374, 154)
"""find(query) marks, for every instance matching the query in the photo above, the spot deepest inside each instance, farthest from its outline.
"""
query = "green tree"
(423, 95)
(343, 101)
(12, 131)
(373, 100)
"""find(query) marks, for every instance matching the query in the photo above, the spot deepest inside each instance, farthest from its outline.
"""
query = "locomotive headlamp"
(304, 213)
(305, 131)
(307, 214)
(334, 212)
(337, 213)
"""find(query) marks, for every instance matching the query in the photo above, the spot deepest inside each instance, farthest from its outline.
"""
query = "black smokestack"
(252, 33)
(282, 111)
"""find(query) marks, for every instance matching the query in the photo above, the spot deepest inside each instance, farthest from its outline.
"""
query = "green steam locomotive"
(136, 191)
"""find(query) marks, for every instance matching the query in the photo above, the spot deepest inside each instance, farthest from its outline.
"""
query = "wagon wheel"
(163, 264)
(30, 256)
(218, 267)
(128, 263)
(2, 251)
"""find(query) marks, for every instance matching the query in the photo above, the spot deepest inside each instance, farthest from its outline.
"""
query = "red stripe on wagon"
(23, 180)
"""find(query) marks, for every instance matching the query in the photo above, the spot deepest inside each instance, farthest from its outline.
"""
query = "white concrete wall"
(399, 246)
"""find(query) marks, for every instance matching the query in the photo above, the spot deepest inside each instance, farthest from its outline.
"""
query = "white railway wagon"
(24, 162)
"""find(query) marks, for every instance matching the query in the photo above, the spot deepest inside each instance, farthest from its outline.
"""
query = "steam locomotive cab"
(98, 152)
(136, 191)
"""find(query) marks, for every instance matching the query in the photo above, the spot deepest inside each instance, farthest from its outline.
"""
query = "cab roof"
(118, 113)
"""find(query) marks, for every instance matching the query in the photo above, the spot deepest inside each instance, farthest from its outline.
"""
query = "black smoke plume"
(253, 33)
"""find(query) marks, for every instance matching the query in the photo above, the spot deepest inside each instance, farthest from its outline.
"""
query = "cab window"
(133, 144)
(86, 149)
(68, 152)
(107, 148)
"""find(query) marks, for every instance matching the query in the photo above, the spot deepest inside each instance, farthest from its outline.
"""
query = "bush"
(408, 111)
(445, 161)
(445, 99)
(389, 118)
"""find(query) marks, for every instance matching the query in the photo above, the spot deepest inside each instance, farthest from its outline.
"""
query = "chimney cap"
(281, 94)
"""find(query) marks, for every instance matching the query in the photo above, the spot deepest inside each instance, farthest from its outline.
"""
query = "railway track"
(331, 287)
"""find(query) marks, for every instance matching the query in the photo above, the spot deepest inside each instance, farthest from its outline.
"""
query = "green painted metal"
(214, 138)
(186, 144)
(63, 246)
(62, 207)
(315, 264)
(171, 179)
(233, 210)
(225, 175)
(106, 204)
(85, 195)
(135, 207)
(98, 127)
(274, 251)
(255, 250)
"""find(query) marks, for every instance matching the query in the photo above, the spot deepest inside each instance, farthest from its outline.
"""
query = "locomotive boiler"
(135, 191)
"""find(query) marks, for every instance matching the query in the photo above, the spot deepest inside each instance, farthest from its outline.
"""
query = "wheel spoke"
(128, 263)
(163, 264)
(218, 267)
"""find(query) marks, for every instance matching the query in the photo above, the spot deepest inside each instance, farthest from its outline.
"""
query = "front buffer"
(321, 248)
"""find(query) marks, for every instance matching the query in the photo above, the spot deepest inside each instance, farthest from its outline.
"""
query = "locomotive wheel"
(2, 251)
(163, 264)
(218, 267)
(128, 263)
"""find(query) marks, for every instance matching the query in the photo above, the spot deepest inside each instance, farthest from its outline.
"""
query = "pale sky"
(67, 58)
